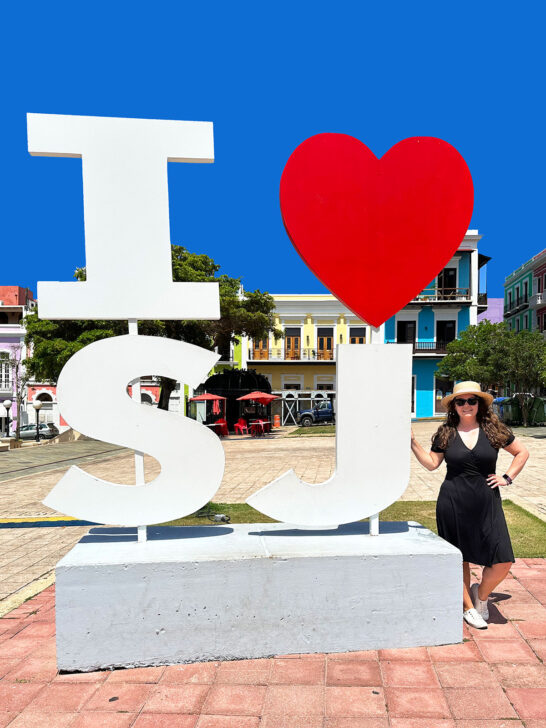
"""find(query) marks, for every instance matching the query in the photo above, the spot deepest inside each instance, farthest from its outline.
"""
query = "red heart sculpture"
(376, 231)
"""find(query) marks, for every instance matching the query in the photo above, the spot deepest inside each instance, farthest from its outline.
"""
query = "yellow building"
(304, 358)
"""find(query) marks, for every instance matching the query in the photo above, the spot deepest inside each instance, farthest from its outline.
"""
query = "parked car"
(47, 431)
(321, 413)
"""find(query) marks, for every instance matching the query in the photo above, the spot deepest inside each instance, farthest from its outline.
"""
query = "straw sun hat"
(466, 388)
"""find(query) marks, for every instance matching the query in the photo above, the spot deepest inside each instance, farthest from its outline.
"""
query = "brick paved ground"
(494, 679)
(26, 554)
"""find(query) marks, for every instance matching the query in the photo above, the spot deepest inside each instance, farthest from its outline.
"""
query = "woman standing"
(469, 511)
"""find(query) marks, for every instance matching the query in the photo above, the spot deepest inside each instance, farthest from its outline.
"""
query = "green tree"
(249, 313)
(479, 354)
(494, 356)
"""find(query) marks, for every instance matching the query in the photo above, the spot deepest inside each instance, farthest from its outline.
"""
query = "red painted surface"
(15, 295)
(376, 231)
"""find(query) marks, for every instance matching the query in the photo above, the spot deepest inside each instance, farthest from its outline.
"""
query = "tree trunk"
(167, 387)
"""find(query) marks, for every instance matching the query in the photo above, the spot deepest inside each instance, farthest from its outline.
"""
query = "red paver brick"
(165, 720)
(416, 703)
(33, 670)
(8, 664)
(484, 703)
(528, 612)
(39, 720)
(244, 672)
(6, 718)
(353, 673)
(176, 699)
(355, 723)
(464, 652)
(136, 675)
(40, 629)
(103, 720)
(409, 674)
(496, 631)
(539, 647)
(302, 656)
(234, 699)
(16, 696)
(76, 677)
(199, 672)
(300, 700)
(291, 721)
(507, 651)
(529, 702)
(228, 721)
(490, 724)
(355, 702)
(532, 630)
(413, 654)
(18, 646)
(298, 672)
(362, 655)
(535, 723)
(459, 675)
(62, 698)
(116, 698)
(521, 676)
(422, 723)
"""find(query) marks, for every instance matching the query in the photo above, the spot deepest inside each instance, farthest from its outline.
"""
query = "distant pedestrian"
(469, 511)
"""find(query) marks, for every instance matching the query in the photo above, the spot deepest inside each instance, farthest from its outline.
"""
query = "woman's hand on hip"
(493, 481)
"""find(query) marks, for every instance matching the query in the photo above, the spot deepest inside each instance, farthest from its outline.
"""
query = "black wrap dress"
(469, 513)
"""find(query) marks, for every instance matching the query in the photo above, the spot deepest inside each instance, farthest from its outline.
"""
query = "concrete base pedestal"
(253, 590)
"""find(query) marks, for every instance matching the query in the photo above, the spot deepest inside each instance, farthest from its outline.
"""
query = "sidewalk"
(496, 678)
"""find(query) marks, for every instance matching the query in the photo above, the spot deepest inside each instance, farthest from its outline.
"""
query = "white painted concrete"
(373, 415)
(253, 590)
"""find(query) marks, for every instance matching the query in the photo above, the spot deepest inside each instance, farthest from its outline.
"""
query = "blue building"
(450, 303)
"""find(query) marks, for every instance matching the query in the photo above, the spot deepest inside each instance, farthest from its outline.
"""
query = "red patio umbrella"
(209, 397)
(261, 397)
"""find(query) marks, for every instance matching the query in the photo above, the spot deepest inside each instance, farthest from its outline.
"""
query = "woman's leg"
(467, 599)
(491, 577)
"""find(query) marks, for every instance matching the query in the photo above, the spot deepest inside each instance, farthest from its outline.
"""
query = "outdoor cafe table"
(258, 427)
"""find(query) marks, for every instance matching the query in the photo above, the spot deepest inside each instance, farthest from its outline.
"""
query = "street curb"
(526, 506)
(27, 592)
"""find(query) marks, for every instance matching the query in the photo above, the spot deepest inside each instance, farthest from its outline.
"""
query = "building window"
(357, 335)
(539, 285)
(525, 291)
(517, 325)
(509, 299)
(292, 386)
(405, 332)
(445, 332)
(325, 343)
(5, 371)
(292, 343)
(447, 283)
(525, 322)
(260, 349)
(3, 317)
(325, 387)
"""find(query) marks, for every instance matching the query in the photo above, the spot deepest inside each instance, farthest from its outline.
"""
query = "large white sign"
(128, 261)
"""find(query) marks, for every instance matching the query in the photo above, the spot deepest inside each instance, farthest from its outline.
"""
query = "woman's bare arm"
(429, 460)
(521, 455)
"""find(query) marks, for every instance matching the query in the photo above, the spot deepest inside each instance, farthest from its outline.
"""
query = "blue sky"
(270, 75)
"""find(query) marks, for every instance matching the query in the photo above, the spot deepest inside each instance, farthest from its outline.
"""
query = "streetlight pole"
(7, 405)
(37, 406)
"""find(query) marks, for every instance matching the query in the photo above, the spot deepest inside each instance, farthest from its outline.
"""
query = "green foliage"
(251, 314)
(495, 356)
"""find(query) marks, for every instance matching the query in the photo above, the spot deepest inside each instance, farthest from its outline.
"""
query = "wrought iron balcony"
(425, 347)
(302, 354)
(435, 295)
(519, 303)
(537, 299)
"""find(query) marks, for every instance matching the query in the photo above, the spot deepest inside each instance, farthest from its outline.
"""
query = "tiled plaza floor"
(494, 679)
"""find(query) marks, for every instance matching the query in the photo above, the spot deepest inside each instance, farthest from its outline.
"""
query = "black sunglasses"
(471, 401)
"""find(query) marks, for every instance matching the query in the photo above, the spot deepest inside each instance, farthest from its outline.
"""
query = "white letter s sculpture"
(191, 456)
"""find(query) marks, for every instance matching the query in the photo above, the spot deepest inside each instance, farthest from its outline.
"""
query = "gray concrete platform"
(252, 590)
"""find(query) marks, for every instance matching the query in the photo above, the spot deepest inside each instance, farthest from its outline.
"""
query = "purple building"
(494, 311)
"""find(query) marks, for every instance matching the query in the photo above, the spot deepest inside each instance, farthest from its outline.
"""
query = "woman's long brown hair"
(496, 431)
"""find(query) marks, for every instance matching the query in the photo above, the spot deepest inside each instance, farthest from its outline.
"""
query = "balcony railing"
(537, 299)
(425, 347)
(517, 304)
(304, 354)
(443, 294)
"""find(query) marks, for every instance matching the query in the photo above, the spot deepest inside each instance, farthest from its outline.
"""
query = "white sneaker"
(479, 605)
(474, 619)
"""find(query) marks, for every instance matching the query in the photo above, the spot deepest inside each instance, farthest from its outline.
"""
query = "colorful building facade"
(301, 364)
(525, 295)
